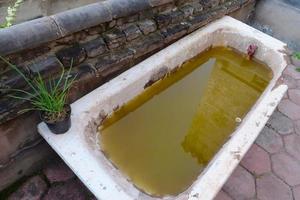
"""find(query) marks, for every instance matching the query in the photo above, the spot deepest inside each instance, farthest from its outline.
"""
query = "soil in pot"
(59, 122)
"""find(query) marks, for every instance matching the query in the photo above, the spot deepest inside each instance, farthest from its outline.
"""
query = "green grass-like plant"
(46, 96)
(11, 14)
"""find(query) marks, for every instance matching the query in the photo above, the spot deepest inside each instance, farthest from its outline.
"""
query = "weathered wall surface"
(32, 9)
(103, 40)
(281, 19)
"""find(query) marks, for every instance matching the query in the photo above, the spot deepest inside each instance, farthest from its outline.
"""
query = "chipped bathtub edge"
(79, 147)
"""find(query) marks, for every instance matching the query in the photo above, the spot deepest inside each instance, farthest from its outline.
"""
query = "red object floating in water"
(251, 51)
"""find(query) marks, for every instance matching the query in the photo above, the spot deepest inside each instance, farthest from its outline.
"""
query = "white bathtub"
(79, 147)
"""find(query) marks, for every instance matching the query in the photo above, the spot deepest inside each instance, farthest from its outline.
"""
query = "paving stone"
(269, 187)
(297, 127)
(298, 83)
(291, 71)
(69, 191)
(257, 160)
(240, 185)
(270, 140)
(289, 81)
(222, 196)
(296, 192)
(32, 189)
(58, 172)
(290, 109)
(286, 168)
(294, 95)
(292, 145)
(280, 123)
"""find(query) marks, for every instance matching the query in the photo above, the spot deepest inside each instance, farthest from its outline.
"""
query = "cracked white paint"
(79, 147)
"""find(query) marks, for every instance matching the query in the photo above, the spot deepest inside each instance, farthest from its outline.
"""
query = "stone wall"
(103, 40)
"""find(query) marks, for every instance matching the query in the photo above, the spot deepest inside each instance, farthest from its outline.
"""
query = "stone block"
(270, 141)
(129, 19)
(232, 6)
(187, 10)
(292, 145)
(286, 168)
(33, 189)
(147, 26)
(25, 164)
(240, 185)
(270, 187)
(95, 47)
(143, 46)
(58, 171)
(210, 3)
(131, 31)
(114, 62)
(69, 191)
(45, 66)
(198, 21)
(280, 123)
(163, 20)
(114, 38)
(13, 80)
(71, 56)
(175, 32)
(290, 109)
(257, 160)
(155, 3)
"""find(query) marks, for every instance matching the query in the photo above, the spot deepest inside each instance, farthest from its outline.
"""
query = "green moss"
(296, 55)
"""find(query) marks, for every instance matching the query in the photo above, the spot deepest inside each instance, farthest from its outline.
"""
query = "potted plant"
(48, 98)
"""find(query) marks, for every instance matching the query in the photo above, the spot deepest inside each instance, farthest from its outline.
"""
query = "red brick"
(257, 160)
(290, 109)
(240, 185)
(270, 187)
(286, 168)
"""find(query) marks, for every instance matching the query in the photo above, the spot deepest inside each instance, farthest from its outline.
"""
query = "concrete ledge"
(36, 32)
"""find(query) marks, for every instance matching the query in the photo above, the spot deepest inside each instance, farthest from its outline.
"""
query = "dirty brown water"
(163, 138)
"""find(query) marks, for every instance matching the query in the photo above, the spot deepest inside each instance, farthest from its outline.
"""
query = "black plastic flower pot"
(61, 126)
